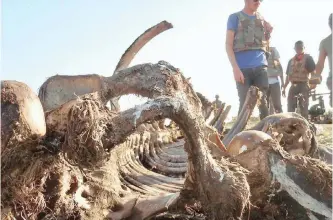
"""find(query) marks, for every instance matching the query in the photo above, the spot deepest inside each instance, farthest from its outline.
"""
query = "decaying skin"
(22, 115)
(94, 163)
(298, 135)
(284, 186)
(92, 133)
(59, 89)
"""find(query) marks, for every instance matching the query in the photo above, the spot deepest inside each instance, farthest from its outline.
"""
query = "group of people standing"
(255, 63)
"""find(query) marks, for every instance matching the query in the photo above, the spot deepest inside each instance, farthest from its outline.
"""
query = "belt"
(299, 82)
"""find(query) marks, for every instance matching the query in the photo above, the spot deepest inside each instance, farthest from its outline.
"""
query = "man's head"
(253, 5)
(217, 97)
(299, 47)
(330, 21)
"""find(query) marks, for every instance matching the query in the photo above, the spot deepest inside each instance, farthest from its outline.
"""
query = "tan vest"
(251, 34)
(298, 72)
(272, 69)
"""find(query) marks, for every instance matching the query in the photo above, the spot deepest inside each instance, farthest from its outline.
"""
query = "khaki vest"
(272, 69)
(298, 72)
(251, 34)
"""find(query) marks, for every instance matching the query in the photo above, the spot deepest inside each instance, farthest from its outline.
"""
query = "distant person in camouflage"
(247, 43)
(298, 71)
(274, 72)
(217, 104)
(325, 50)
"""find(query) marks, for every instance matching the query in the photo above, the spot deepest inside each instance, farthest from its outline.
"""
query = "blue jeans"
(254, 77)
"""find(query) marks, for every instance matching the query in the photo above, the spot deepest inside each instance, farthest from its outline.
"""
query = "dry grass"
(252, 121)
(324, 136)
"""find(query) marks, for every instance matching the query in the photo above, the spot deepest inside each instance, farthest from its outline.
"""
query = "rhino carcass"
(105, 167)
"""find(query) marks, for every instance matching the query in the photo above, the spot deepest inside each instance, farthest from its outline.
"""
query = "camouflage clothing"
(309, 66)
(298, 71)
(272, 69)
(251, 34)
(217, 104)
(274, 90)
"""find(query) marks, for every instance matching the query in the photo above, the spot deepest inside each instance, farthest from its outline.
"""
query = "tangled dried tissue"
(85, 161)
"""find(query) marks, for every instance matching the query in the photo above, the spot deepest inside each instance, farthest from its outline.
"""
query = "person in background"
(217, 104)
(274, 72)
(247, 43)
(298, 71)
(325, 50)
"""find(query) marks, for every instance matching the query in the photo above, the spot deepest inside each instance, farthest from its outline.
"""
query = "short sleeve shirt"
(249, 58)
(275, 55)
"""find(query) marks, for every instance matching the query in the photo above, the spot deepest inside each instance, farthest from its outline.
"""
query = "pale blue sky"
(44, 38)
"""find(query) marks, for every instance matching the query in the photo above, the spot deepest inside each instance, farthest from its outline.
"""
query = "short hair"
(301, 43)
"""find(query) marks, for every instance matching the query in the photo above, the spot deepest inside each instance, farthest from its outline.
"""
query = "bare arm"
(287, 76)
(229, 44)
(279, 66)
(321, 62)
(287, 82)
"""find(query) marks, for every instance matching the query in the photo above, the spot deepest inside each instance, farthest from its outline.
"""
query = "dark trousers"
(274, 93)
(296, 89)
(254, 77)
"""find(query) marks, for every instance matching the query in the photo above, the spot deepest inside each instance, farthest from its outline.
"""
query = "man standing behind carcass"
(274, 71)
(217, 104)
(298, 71)
(325, 50)
(247, 43)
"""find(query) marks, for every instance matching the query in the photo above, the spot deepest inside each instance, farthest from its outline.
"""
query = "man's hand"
(312, 86)
(284, 91)
(268, 27)
(238, 75)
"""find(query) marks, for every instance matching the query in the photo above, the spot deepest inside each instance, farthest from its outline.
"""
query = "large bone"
(141, 208)
(220, 122)
(122, 83)
(207, 106)
(216, 117)
(280, 183)
(136, 46)
(298, 135)
(107, 153)
(249, 104)
(246, 140)
(154, 108)
(181, 105)
(140, 42)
